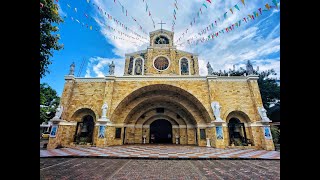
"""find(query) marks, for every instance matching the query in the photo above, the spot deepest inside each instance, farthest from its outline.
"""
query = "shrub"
(275, 131)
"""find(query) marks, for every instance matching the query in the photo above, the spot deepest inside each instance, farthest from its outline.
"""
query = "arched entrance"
(161, 131)
(237, 132)
(84, 130)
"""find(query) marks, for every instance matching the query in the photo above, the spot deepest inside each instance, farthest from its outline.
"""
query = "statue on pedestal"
(210, 70)
(72, 66)
(58, 112)
(216, 110)
(111, 68)
(104, 110)
(263, 114)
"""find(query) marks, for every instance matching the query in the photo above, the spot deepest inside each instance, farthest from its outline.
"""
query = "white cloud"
(100, 67)
(255, 41)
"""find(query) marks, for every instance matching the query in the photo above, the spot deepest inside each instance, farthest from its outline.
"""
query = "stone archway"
(85, 126)
(240, 133)
(161, 131)
(142, 107)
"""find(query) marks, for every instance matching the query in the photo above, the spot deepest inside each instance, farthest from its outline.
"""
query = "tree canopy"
(49, 19)
(49, 101)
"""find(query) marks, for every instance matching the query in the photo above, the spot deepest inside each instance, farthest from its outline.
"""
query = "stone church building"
(161, 98)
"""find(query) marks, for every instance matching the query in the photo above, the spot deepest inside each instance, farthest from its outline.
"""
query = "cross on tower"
(161, 24)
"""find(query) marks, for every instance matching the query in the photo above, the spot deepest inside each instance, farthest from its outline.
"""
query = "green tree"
(49, 19)
(269, 89)
(49, 101)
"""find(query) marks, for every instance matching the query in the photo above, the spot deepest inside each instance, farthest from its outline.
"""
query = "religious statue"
(249, 68)
(216, 110)
(263, 114)
(104, 110)
(111, 68)
(184, 66)
(138, 67)
(72, 66)
(210, 70)
(58, 112)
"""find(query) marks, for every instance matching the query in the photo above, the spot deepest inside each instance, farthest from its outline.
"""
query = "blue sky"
(257, 41)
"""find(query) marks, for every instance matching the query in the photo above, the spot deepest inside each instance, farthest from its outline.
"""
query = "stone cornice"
(166, 77)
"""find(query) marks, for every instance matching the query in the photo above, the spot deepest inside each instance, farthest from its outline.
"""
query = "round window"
(161, 63)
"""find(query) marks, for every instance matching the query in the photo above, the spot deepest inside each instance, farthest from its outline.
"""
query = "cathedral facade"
(161, 98)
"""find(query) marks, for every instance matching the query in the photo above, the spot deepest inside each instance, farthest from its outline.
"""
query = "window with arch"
(138, 66)
(161, 40)
(184, 66)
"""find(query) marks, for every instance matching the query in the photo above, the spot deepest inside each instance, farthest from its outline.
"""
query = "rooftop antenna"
(81, 67)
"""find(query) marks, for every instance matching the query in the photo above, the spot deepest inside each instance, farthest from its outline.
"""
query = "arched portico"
(155, 102)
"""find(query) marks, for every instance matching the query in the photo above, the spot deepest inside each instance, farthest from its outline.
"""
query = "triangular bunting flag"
(209, 1)
(225, 15)
(231, 10)
(260, 10)
(275, 3)
(204, 5)
(267, 6)
(242, 2)
(236, 6)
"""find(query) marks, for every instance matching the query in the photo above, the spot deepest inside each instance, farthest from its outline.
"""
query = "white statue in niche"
(216, 110)
(104, 110)
(58, 112)
(263, 114)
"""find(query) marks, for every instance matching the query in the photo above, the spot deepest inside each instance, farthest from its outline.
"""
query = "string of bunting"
(110, 29)
(91, 27)
(111, 18)
(214, 24)
(150, 15)
(217, 21)
(126, 13)
(233, 26)
(194, 18)
(175, 9)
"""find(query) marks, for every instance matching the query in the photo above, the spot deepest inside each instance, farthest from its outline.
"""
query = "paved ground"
(100, 168)
(161, 152)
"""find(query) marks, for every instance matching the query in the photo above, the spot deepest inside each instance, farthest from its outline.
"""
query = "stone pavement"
(161, 152)
(98, 168)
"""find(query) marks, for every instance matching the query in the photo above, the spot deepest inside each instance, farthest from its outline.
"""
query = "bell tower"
(161, 58)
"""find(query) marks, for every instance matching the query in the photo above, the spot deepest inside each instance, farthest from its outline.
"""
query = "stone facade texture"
(186, 99)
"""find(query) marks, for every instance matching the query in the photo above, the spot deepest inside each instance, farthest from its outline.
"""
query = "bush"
(275, 131)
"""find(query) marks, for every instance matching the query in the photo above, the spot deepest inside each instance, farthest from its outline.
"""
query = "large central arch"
(150, 103)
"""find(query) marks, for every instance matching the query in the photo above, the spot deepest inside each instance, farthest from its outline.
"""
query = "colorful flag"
(236, 6)
(245, 19)
(209, 1)
(78, 21)
(231, 10)
(260, 10)
(88, 1)
(68, 5)
(275, 3)
(204, 5)
(242, 2)
(239, 22)
(75, 9)
(225, 15)
(267, 6)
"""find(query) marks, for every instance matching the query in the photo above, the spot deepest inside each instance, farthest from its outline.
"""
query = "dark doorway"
(161, 132)
(84, 130)
(237, 133)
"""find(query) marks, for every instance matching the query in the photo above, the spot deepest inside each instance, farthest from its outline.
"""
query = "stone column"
(55, 134)
(219, 133)
(102, 125)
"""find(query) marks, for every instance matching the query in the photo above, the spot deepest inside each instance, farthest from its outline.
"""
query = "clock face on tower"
(161, 63)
